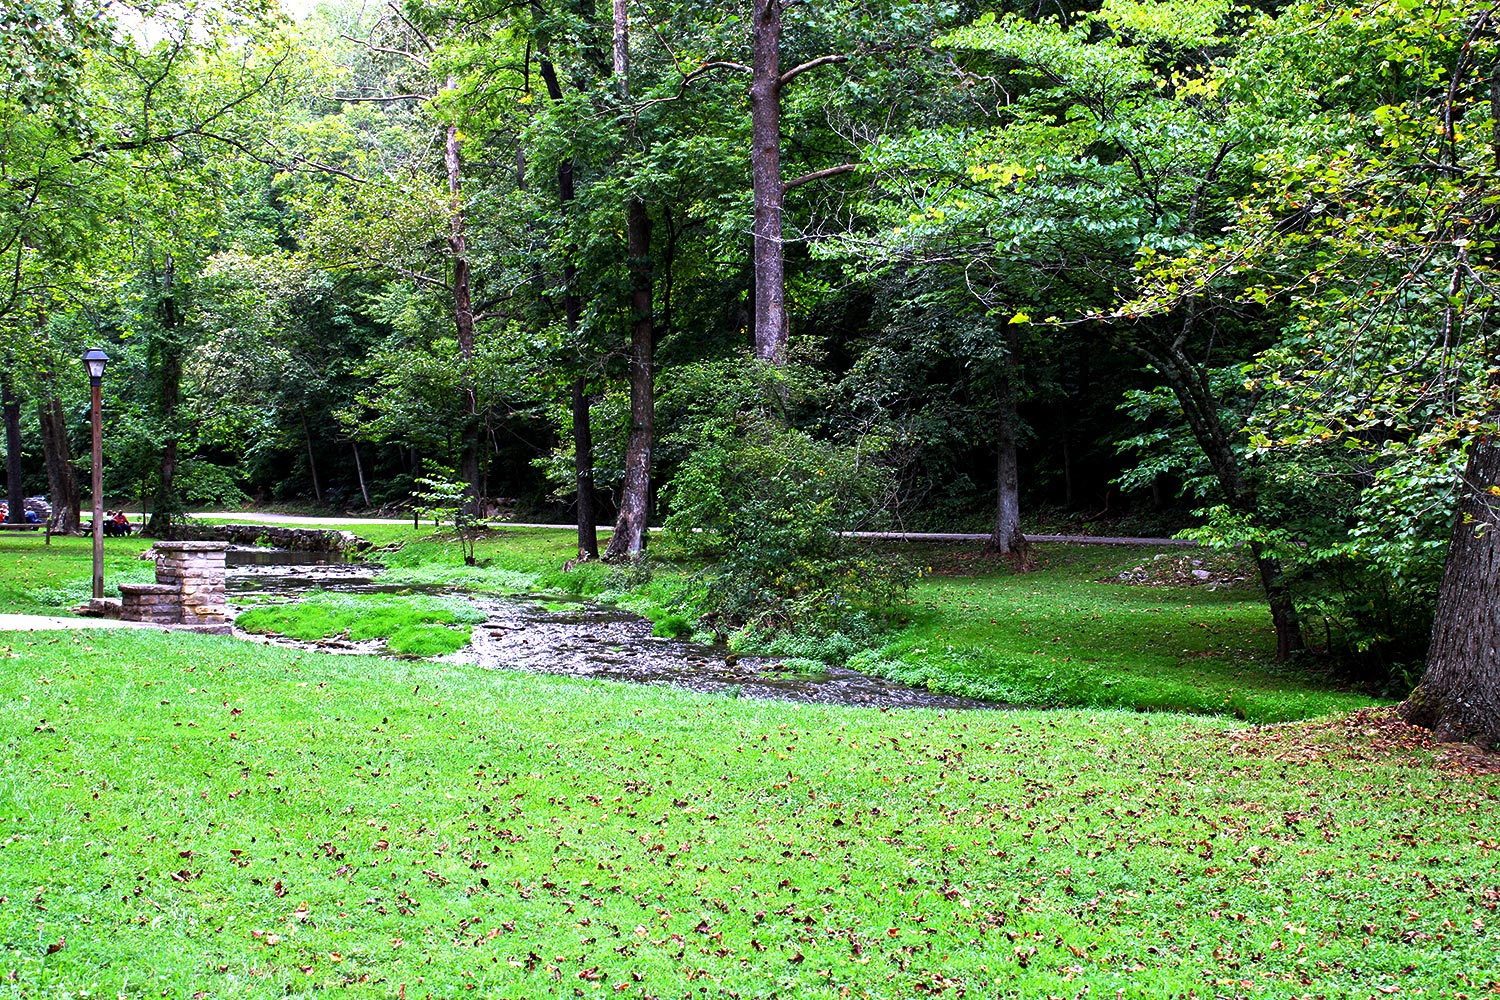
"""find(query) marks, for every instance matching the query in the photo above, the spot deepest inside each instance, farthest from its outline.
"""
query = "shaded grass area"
(187, 815)
(41, 579)
(1060, 636)
(411, 625)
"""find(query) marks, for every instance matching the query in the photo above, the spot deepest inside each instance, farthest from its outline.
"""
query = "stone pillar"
(196, 571)
(153, 603)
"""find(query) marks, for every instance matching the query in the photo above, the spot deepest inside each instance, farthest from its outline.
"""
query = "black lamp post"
(96, 359)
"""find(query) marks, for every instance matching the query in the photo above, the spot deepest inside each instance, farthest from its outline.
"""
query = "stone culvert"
(294, 539)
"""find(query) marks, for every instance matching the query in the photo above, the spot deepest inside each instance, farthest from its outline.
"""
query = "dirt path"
(894, 536)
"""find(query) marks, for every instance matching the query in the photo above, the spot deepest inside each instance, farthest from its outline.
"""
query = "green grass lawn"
(411, 624)
(1060, 636)
(186, 815)
(1056, 636)
(41, 579)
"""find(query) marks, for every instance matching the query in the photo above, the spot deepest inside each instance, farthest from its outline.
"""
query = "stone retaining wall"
(153, 603)
(189, 587)
(295, 539)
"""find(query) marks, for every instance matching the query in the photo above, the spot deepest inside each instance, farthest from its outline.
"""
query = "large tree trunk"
(771, 326)
(629, 539)
(1006, 539)
(463, 313)
(15, 495)
(1459, 695)
(62, 481)
(169, 367)
(583, 436)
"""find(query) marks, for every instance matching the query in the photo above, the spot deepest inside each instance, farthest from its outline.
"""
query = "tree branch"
(817, 175)
(797, 71)
(421, 35)
(372, 47)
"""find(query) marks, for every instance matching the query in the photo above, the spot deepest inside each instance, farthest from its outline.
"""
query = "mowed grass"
(191, 816)
(36, 578)
(1058, 635)
(410, 625)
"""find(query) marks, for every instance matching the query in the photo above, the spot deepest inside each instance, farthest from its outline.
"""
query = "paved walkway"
(895, 536)
(54, 623)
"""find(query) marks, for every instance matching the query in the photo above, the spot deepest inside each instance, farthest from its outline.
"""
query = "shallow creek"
(582, 640)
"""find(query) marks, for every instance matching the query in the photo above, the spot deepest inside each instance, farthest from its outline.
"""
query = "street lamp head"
(96, 360)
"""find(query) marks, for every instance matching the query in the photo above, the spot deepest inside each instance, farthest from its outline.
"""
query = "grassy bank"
(1057, 636)
(187, 815)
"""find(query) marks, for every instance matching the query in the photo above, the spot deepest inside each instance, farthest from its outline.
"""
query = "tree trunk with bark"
(1006, 540)
(1459, 695)
(15, 495)
(169, 370)
(312, 464)
(629, 539)
(359, 472)
(62, 481)
(583, 436)
(771, 325)
(463, 313)
(1200, 407)
(583, 471)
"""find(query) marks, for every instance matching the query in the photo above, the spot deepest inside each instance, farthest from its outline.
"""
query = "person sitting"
(32, 518)
(121, 523)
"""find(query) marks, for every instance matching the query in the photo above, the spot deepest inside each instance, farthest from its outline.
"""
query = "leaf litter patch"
(1210, 570)
(1368, 736)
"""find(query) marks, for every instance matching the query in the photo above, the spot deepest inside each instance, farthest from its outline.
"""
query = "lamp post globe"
(95, 360)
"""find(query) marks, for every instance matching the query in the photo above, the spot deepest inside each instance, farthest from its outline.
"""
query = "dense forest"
(779, 269)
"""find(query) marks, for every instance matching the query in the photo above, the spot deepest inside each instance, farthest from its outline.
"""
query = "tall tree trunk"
(62, 481)
(583, 470)
(463, 312)
(629, 539)
(1459, 695)
(359, 471)
(15, 495)
(312, 464)
(169, 370)
(583, 435)
(771, 326)
(1200, 407)
(1006, 539)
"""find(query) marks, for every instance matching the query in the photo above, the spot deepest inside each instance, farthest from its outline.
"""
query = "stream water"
(583, 640)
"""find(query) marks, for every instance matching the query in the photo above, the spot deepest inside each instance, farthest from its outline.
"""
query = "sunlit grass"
(188, 815)
(412, 625)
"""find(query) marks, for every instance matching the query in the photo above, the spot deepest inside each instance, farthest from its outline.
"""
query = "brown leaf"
(57, 946)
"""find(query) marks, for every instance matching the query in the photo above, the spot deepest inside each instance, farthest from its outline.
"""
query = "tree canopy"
(772, 271)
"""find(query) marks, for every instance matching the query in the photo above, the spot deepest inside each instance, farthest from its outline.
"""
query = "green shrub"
(766, 507)
(672, 626)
